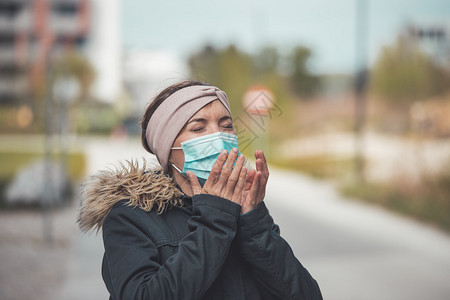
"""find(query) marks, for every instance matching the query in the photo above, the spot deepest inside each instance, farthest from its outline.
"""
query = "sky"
(328, 27)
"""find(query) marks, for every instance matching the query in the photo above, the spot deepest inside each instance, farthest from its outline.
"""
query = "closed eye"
(197, 125)
(226, 122)
(197, 129)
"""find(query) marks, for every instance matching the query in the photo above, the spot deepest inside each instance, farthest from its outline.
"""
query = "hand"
(224, 180)
(255, 187)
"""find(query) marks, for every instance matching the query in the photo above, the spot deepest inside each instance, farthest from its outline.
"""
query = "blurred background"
(349, 96)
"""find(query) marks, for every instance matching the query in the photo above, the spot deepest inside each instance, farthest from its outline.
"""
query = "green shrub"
(318, 166)
(12, 162)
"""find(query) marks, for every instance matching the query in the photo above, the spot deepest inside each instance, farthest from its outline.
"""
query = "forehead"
(212, 109)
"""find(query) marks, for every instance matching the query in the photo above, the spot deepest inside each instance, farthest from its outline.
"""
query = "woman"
(197, 228)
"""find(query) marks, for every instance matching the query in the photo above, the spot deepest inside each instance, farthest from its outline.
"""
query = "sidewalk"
(32, 268)
(83, 280)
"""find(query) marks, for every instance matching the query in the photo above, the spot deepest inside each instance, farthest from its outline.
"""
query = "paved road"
(353, 250)
(357, 251)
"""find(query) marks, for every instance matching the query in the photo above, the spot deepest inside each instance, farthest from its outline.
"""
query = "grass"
(12, 162)
(318, 166)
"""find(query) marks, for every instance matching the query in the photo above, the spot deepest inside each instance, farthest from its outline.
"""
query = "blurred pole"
(65, 89)
(48, 169)
(360, 85)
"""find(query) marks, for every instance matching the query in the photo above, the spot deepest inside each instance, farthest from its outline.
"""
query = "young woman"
(197, 228)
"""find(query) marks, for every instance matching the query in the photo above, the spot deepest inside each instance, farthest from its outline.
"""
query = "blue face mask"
(201, 153)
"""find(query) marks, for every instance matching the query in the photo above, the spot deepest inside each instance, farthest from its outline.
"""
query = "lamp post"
(63, 91)
(360, 85)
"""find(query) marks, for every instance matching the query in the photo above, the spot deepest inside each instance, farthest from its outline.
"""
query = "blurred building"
(104, 49)
(31, 32)
(146, 72)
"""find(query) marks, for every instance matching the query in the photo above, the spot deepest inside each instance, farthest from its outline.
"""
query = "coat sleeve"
(274, 267)
(132, 256)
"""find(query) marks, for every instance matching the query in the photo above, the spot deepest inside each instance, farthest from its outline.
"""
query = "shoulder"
(128, 212)
(168, 225)
(123, 215)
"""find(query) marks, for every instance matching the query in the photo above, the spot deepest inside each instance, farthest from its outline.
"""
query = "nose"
(213, 128)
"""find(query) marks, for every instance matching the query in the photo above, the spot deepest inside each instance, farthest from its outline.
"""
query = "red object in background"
(258, 100)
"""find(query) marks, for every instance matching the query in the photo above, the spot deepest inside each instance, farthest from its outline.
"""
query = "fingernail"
(234, 150)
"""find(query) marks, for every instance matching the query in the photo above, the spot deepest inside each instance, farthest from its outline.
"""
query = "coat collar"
(148, 189)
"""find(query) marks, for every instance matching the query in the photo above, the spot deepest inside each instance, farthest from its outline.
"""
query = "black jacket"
(202, 249)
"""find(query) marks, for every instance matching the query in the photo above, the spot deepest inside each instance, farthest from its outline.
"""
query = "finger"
(261, 192)
(259, 168)
(235, 174)
(258, 165)
(228, 167)
(261, 165)
(196, 187)
(255, 187)
(216, 169)
(237, 193)
(248, 184)
(265, 168)
(249, 180)
(250, 202)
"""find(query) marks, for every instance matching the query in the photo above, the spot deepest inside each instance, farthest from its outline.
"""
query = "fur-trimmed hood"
(144, 188)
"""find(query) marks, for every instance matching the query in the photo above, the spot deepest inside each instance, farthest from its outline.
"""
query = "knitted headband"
(173, 113)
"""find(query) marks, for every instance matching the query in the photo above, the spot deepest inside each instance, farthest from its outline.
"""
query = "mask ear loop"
(175, 167)
(178, 169)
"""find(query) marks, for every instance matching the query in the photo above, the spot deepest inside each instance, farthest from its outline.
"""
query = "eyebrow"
(224, 118)
(197, 120)
(203, 120)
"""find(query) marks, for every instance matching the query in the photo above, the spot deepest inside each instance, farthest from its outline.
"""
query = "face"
(213, 117)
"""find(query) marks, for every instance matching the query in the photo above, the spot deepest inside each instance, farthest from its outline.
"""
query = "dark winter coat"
(160, 244)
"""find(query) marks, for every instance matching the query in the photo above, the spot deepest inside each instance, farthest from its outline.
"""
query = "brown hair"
(157, 102)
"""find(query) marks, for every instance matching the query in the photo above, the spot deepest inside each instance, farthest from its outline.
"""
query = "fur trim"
(143, 188)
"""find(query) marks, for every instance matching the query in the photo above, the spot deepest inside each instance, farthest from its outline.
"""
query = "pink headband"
(170, 117)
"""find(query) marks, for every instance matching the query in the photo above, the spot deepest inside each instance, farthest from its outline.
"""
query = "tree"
(301, 81)
(403, 73)
(266, 62)
(74, 64)
(230, 69)
(203, 65)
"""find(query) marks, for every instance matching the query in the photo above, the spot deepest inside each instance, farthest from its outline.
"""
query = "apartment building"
(31, 33)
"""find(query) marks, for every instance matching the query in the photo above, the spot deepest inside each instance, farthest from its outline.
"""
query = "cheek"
(177, 157)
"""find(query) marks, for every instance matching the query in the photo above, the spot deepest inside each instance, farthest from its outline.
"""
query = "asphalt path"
(357, 251)
(354, 250)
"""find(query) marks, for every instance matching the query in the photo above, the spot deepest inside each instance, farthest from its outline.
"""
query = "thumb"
(196, 187)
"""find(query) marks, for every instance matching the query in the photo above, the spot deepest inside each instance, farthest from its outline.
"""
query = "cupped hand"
(224, 180)
(256, 182)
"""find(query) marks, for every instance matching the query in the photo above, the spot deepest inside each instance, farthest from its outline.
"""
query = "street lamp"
(360, 84)
(64, 90)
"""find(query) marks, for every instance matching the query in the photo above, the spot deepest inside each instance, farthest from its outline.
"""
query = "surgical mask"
(201, 153)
